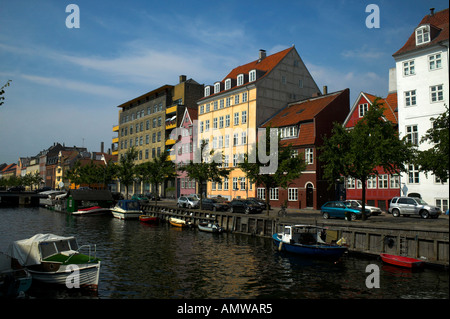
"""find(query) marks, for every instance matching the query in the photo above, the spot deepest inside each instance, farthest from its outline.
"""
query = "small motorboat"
(307, 240)
(210, 227)
(94, 210)
(14, 279)
(177, 222)
(148, 219)
(52, 259)
(127, 209)
(402, 261)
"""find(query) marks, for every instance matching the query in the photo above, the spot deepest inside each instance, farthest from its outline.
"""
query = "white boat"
(178, 222)
(94, 210)
(57, 260)
(210, 227)
(127, 209)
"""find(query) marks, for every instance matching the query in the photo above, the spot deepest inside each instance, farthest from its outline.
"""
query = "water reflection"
(147, 261)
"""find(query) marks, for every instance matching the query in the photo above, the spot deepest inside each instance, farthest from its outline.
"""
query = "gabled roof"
(263, 66)
(301, 111)
(192, 113)
(389, 103)
(438, 22)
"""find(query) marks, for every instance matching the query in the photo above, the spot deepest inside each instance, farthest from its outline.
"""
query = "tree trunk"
(267, 200)
(363, 199)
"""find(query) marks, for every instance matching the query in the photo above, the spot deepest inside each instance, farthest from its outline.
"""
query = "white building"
(423, 92)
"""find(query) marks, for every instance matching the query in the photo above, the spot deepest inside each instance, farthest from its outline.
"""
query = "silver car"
(189, 202)
(355, 203)
(413, 206)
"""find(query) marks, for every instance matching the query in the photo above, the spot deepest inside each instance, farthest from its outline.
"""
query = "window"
(422, 35)
(236, 118)
(274, 193)
(236, 139)
(252, 75)
(227, 120)
(309, 156)
(234, 160)
(442, 203)
(217, 87)
(437, 93)
(202, 109)
(412, 134)
(372, 182)
(410, 98)
(221, 104)
(244, 117)
(225, 183)
(201, 126)
(227, 140)
(215, 123)
(244, 97)
(227, 84)
(244, 138)
(408, 68)
(350, 182)
(240, 79)
(221, 122)
(226, 160)
(300, 83)
(206, 125)
(395, 181)
(383, 181)
(292, 194)
(434, 61)
(228, 102)
(261, 193)
(207, 108)
(413, 174)
(242, 183)
(236, 99)
(362, 109)
(215, 105)
(235, 183)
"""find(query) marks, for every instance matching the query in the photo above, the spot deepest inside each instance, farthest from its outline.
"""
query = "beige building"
(232, 109)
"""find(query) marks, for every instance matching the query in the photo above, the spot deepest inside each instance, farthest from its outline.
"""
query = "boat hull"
(88, 275)
(148, 219)
(401, 261)
(92, 211)
(210, 228)
(126, 214)
(318, 250)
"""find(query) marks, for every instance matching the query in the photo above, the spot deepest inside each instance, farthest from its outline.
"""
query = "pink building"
(184, 152)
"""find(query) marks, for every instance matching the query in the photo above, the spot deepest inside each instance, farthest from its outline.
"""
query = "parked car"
(16, 189)
(139, 197)
(189, 202)
(413, 206)
(214, 205)
(152, 196)
(340, 209)
(259, 201)
(357, 204)
(244, 206)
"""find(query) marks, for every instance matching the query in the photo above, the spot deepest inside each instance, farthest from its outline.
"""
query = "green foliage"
(2, 92)
(125, 169)
(289, 167)
(436, 158)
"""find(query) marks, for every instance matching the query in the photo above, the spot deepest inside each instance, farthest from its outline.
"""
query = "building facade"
(303, 124)
(379, 189)
(232, 109)
(423, 91)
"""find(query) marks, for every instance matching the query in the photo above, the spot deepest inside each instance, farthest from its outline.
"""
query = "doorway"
(309, 195)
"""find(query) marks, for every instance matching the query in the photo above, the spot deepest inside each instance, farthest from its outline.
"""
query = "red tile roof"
(193, 113)
(264, 66)
(301, 111)
(306, 136)
(438, 21)
(390, 105)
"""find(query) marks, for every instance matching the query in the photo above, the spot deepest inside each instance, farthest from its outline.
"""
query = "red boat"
(402, 261)
(148, 219)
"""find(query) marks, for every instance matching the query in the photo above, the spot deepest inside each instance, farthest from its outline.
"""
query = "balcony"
(172, 109)
(170, 142)
(115, 140)
(116, 128)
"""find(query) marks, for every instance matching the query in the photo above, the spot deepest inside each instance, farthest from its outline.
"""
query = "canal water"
(162, 262)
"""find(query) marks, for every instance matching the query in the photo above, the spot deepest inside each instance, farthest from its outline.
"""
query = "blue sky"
(67, 83)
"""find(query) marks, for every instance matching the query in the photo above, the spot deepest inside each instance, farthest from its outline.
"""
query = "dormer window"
(217, 87)
(240, 79)
(422, 35)
(252, 75)
(227, 84)
(207, 91)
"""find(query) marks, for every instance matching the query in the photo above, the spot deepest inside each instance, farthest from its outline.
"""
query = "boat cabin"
(303, 234)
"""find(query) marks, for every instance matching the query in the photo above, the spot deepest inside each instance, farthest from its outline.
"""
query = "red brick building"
(303, 125)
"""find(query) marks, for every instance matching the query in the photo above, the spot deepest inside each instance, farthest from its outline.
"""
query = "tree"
(2, 92)
(126, 168)
(205, 171)
(373, 142)
(435, 159)
(289, 167)
(156, 171)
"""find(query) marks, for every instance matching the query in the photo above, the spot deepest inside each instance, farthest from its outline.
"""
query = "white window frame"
(252, 76)
(413, 175)
(207, 90)
(240, 79)
(309, 156)
(243, 117)
(409, 68)
(216, 87)
(292, 194)
(383, 181)
(437, 93)
(442, 203)
(422, 35)
(236, 118)
(412, 134)
(227, 84)
(434, 61)
(274, 193)
(410, 98)
(362, 109)
(371, 182)
(261, 193)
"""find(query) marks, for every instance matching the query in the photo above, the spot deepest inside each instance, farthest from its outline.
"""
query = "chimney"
(262, 54)
(431, 11)
(325, 90)
(182, 78)
(102, 147)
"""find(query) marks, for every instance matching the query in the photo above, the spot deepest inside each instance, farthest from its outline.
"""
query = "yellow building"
(232, 109)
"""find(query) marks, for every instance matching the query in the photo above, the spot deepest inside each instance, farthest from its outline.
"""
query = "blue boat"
(307, 240)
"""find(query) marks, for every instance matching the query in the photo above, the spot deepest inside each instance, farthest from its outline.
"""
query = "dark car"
(258, 201)
(16, 189)
(214, 205)
(244, 206)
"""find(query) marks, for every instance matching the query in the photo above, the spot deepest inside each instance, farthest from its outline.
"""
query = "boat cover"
(26, 251)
